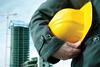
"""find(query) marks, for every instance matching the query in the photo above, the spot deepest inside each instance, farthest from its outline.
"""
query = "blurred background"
(16, 46)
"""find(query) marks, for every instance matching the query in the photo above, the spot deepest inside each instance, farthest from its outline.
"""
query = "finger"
(75, 52)
(74, 45)
(66, 52)
(70, 53)
(68, 49)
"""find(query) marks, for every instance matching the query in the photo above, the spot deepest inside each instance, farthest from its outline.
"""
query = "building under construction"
(19, 43)
(31, 63)
(19, 52)
(36, 62)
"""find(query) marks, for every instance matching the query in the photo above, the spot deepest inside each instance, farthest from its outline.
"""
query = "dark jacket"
(47, 44)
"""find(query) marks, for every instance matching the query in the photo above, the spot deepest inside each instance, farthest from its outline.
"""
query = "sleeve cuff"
(49, 48)
(53, 60)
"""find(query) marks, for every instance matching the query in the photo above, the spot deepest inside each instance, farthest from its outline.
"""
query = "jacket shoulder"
(78, 3)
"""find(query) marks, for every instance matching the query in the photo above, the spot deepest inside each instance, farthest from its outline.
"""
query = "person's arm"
(49, 47)
(44, 41)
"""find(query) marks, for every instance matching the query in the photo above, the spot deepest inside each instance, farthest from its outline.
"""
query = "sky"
(17, 10)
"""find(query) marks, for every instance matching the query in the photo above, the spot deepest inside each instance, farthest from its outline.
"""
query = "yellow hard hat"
(72, 25)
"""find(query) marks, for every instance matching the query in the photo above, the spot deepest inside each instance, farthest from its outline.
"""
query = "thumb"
(74, 45)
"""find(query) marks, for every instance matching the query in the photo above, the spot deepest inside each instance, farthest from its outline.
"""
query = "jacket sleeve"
(44, 41)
